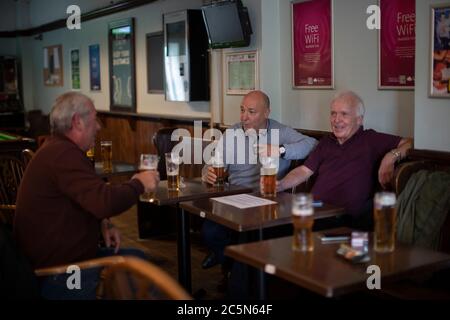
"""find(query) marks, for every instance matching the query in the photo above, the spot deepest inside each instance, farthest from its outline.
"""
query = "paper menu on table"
(244, 201)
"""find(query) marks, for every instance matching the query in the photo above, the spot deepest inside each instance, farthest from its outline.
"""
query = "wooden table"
(193, 189)
(254, 218)
(324, 272)
(257, 218)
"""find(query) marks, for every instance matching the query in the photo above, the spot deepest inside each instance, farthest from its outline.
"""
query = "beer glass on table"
(219, 169)
(303, 221)
(385, 219)
(91, 155)
(106, 153)
(173, 161)
(269, 170)
(148, 162)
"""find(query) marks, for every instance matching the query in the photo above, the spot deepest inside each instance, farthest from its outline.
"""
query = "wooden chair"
(11, 173)
(161, 140)
(128, 278)
(163, 144)
(422, 287)
(27, 155)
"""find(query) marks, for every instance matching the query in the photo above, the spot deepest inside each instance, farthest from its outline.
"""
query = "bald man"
(254, 126)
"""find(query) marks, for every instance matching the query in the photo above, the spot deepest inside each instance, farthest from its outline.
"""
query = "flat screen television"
(228, 24)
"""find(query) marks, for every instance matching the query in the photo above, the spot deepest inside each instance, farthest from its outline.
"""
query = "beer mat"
(244, 201)
(353, 255)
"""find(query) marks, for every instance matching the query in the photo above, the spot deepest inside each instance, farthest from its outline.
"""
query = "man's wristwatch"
(282, 151)
(397, 154)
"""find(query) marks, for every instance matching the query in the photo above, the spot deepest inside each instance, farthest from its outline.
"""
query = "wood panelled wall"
(132, 135)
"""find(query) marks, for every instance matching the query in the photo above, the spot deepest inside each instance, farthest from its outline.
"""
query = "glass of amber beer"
(173, 170)
(91, 155)
(303, 221)
(219, 169)
(269, 170)
(106, 153)
(148, 162)
(385, 219)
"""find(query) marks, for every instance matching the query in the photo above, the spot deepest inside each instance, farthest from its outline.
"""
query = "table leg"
(261, 273)
(184, 249)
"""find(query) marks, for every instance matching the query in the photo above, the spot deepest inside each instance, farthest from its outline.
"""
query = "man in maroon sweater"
(348, 161)
(63, 205)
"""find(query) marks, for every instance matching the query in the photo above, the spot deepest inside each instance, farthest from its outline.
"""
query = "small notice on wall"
(242, 72)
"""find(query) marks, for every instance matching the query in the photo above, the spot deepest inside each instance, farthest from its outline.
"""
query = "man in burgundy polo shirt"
(347, 162)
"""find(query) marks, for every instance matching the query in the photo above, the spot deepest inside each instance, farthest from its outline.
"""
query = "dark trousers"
(56, 287)
(216, 237)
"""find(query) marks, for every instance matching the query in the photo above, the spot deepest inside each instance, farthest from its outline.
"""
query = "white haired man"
(347, 161)
(63, 205)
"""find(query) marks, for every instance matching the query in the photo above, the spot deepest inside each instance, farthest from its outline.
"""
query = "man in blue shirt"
(271, 137)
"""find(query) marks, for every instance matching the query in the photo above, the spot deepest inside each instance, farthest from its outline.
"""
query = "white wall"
(58, 8)
(355, 68)
(432, 128)
(356, 60)
(148, 19)
(8, 46)
(231, 103)
(8, 21)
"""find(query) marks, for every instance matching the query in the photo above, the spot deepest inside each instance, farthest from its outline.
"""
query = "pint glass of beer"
(148, 162)
(173, 170)
(106, 153)
(269, 170)
(91, 155)
(219, 169)
(303, 221)
(385, 219)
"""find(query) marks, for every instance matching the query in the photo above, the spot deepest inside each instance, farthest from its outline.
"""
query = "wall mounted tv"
(228, 24)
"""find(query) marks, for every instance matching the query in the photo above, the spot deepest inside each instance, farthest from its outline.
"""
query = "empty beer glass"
(106, 153)
(269, 170)
(148, 162)
(303, 221)
(385, 219)
(219, 168)
(173, 162)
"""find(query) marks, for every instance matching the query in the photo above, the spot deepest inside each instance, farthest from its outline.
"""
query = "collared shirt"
(346, 174)
(247, 171)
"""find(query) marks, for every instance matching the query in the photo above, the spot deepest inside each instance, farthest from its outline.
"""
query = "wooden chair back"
(27, 155)
(11, 173)
(127, 278)
(136, 279)
(404, 171)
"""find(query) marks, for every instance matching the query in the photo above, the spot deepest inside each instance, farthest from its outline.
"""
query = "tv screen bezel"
(242, 13)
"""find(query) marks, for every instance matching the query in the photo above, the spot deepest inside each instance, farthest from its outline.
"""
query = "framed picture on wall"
(440, 52)
(75, 68)
(397, 44)
(122, 77)
(94, 67)
(312, 44)
(241, 72)
(53, 66)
